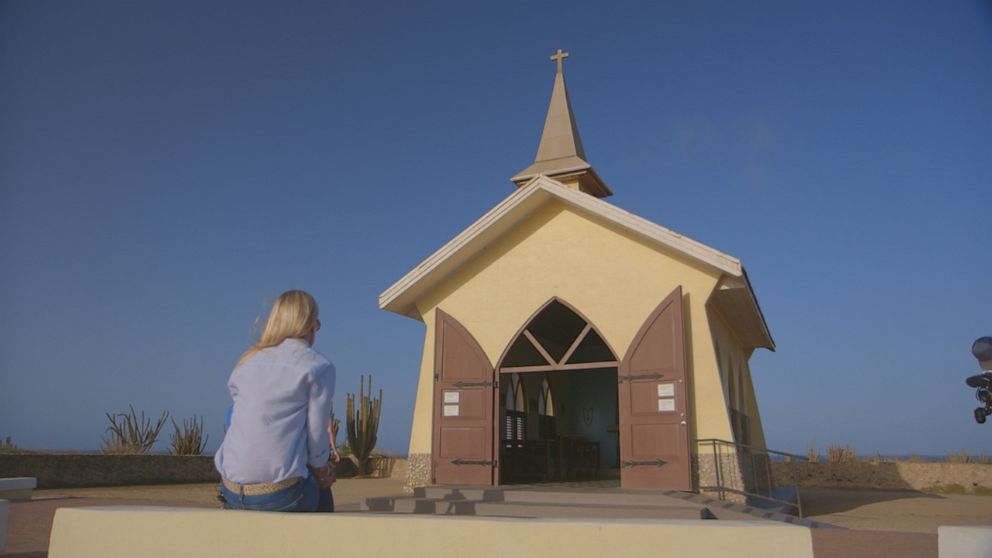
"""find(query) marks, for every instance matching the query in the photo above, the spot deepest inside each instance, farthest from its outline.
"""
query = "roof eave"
(402, 295)
(734, 299)
(761, 315)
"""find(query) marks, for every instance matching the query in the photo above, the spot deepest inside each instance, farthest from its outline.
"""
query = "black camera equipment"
(982, 349)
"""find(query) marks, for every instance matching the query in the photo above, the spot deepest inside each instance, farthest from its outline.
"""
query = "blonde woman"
(275, 453)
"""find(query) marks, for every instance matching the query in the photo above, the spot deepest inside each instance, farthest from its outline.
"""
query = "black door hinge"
(658, 462)
(629, 377)
(461, 461)
(474, 384)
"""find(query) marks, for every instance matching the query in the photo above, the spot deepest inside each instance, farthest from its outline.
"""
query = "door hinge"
(629, 377)
(460, 461)
(474, 384)
(657, 462)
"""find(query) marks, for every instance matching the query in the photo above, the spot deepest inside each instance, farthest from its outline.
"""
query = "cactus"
(7, 446)
(190, 440)
(363, 424)
(131, 434)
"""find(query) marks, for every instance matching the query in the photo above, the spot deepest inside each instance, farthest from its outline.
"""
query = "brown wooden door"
(463, 407)
(654, 413)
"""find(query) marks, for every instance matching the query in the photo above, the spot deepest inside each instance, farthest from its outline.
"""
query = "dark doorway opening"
(564, 431)
(558, 402)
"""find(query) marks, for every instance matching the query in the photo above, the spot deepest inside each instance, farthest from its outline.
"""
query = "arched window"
(557, 338)
(515, 425)
(546, 411)
(546, 404)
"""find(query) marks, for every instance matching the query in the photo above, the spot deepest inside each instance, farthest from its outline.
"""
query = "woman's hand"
(325, 475)
(329, 479)
(335, 456)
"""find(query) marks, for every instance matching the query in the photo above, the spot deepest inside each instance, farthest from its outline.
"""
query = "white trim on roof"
(400, 297)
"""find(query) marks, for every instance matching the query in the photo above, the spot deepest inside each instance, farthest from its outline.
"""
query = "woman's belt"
(260, 488)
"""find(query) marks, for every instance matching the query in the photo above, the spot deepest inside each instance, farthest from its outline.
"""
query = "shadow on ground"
(832, 501)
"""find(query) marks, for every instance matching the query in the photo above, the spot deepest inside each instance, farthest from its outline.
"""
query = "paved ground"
(880, 523)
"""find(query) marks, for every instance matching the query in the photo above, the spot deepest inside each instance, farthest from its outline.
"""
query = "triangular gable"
(401, 297)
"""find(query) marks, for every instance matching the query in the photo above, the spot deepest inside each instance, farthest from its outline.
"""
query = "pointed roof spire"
(560, 154)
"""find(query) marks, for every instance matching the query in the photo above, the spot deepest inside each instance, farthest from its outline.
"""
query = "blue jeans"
(304, 496)
(326, 500)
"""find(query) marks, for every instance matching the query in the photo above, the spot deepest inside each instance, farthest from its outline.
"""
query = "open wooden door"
(654, 429)
(463, 407)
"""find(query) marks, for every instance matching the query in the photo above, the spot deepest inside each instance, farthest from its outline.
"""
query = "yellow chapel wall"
(757, 430)
(732, 358)
(607, 274)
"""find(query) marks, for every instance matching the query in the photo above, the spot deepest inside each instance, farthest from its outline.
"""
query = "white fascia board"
(397, 298)
(400, 297)
(651, 231)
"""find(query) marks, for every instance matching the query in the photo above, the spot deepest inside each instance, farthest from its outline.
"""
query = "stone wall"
(727, 469)
(83, 470)
(80, 470)
(896, 475)
(747, 472)
(418, 471)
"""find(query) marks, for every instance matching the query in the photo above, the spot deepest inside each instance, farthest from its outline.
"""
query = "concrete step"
(723, 509)
(582, 498)
(534, 510)
(484, 494)
(552, 495)
(780, 500)
(17, 488)
(569, 502)
(405, 504)
(433, 506)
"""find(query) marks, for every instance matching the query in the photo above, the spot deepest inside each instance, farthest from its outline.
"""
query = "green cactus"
(363, 424)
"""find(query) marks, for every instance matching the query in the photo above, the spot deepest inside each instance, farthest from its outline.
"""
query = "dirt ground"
(878, 510)
(879, 523)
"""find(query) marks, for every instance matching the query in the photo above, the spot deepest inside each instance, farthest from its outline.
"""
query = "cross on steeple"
(560, 155)
(560, 57)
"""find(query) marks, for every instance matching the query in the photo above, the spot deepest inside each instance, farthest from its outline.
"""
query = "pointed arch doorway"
(558, 401)
(554, 406)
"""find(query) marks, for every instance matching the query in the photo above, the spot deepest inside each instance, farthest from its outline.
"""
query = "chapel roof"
(734, 293)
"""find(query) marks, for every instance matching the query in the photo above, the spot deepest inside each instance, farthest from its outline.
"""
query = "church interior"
(558, 424)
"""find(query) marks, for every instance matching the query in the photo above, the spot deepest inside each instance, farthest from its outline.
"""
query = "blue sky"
(167, 168)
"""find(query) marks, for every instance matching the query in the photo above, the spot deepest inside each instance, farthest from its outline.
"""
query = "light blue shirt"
(282, 403)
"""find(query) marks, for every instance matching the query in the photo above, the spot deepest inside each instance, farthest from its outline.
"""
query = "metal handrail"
(722, 489)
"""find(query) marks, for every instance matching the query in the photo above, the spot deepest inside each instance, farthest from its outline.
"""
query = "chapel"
(570, 340)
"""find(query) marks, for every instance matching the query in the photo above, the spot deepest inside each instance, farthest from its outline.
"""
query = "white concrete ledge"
(149, 532)
(17, 488)
(4, 521)
(964, 541)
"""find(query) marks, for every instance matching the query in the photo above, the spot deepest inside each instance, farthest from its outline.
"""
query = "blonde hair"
(292, 316)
